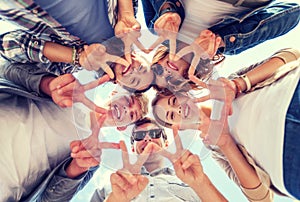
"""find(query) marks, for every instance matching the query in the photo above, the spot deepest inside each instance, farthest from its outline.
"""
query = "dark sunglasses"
(140, 135)
(157, 69)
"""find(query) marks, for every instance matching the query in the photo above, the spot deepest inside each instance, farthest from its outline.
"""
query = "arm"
(235, 164)
(21, 46)
(58, 186)
(247, 179)
(246, 32)
(264, 72)
(27, 75)
(188, 168)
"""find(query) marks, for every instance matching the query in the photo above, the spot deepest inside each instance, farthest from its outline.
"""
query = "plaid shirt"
(36, 28)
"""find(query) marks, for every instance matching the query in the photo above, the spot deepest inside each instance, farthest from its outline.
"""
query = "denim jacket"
(152, 10)
(241, 31)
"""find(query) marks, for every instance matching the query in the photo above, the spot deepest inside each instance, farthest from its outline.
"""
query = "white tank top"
(258, 123)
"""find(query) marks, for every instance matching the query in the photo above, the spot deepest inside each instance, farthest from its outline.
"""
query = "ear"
(122, 128)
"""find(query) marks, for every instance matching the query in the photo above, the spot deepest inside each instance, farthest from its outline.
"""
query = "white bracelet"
(247, 81)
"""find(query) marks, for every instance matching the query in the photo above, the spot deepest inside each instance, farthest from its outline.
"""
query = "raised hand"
(95, 57)
(66, 90)
(222, 90)
(204, 46)
(214, 132)
(187, 166)
(141, 159)
(87, 153)
(167, 26)
(128, 29)
(127, 182)
(125, 186)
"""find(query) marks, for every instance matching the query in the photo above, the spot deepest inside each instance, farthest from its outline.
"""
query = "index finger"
(95, 83)
(127, 49)
(125, 155)
(172, 50)
(108, 145)
(156, 43)
(183, 52)
(177, 139)
(117, 59)
(193, 65)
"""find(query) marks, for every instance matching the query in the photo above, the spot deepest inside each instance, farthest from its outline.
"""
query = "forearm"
(58, 186)
(125, 8)
(28, 76)
(244, 171)
(57, 53)
(261, 72)
(207, 191)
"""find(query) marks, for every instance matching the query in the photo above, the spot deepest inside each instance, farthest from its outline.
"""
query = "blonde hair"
(143, 101)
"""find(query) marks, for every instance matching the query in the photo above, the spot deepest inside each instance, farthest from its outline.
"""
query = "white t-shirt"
(258, 123)
(200, 15)
(35, 138)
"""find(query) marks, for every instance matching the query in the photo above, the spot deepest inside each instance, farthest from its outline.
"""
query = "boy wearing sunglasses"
(163, 184)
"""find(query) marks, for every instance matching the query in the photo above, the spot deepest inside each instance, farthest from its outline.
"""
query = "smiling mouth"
(117, 111)
(172, 66)
(186, 111)
(126, 69)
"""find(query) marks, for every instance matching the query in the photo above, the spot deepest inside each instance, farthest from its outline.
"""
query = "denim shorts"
(291, 152)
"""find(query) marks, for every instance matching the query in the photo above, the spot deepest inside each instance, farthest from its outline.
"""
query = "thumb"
(136, 26)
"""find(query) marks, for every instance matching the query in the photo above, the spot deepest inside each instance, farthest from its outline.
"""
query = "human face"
(141, 145)
(167, 71)
(177, 110)
(123, 111)
(137, 76)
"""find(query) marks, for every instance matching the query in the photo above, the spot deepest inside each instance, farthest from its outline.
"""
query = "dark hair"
(144, 121)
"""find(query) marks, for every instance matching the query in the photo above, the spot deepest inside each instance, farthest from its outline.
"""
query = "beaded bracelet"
(76, 55)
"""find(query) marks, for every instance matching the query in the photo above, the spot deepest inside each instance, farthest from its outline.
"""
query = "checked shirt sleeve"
(20, 46)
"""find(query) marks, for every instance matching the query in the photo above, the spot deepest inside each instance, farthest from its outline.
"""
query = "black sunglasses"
(140, 135)
(157, 69)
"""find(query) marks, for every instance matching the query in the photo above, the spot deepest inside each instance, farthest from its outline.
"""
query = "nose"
(147, 138)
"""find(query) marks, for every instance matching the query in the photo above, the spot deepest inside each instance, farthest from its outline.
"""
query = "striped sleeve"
(20, 46)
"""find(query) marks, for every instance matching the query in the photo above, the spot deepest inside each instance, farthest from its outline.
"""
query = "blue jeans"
(291, 149)
(255, 26)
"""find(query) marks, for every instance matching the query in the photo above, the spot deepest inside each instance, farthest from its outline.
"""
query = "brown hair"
(203, 70)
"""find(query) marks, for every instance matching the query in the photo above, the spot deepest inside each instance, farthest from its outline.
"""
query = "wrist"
(112, 197)
(227, 143)
(45, 84)
(125, 14)
(73, 170)
(76, 53)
